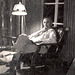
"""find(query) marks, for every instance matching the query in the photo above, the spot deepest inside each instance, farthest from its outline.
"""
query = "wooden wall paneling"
(4, 23)
(0, 24)
(34, 15)
(68, 51)
(10, 21)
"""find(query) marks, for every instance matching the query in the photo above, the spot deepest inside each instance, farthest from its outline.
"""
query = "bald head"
(47, 22)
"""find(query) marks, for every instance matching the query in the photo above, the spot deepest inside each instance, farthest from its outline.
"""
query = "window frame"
(56, 3)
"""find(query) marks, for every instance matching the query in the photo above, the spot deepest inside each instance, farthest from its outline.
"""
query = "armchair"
(54, 49)
(36, 59)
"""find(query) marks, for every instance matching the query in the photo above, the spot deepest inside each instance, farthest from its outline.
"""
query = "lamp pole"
(22, 25)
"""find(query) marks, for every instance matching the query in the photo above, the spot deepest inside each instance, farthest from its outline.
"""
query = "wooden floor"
(49, 70)
(45, 71)
(71, 70)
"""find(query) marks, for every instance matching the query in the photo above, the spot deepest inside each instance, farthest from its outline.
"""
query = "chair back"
(62, 34)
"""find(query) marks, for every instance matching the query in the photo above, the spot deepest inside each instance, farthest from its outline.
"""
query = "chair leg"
(33, 65)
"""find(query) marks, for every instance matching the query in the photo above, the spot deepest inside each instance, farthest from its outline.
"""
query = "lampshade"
(19, 9)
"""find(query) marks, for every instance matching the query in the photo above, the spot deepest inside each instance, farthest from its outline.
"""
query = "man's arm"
(36, 34)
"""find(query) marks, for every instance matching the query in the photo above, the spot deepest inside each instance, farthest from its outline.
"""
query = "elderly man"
(47, 34)
(24, 43)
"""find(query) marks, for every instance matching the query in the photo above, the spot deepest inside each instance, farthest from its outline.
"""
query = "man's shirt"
(48, 36)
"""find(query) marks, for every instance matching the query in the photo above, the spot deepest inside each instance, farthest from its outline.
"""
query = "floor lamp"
(20, 10)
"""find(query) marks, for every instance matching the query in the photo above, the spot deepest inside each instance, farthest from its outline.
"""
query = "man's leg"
(22, 40)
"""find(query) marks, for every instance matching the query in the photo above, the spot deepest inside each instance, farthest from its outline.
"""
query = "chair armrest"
(48, 44)
(41, 43)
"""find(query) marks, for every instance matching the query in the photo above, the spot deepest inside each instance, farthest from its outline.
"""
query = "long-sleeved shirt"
(48, 36)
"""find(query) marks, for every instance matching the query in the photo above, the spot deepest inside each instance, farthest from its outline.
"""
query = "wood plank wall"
(34, 15)
(12, 23)
(0, 25)
(68, 52)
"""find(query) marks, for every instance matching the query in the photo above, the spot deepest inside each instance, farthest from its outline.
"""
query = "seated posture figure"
(25, 42)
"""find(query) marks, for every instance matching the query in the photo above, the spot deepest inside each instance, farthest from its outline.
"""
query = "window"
(55, 10)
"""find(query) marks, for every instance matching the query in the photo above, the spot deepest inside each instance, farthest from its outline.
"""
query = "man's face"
(47, 23)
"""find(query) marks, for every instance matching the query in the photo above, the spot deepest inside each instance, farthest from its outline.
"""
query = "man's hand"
(44, 29)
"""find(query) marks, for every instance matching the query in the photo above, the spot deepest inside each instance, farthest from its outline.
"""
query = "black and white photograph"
(37, 37)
